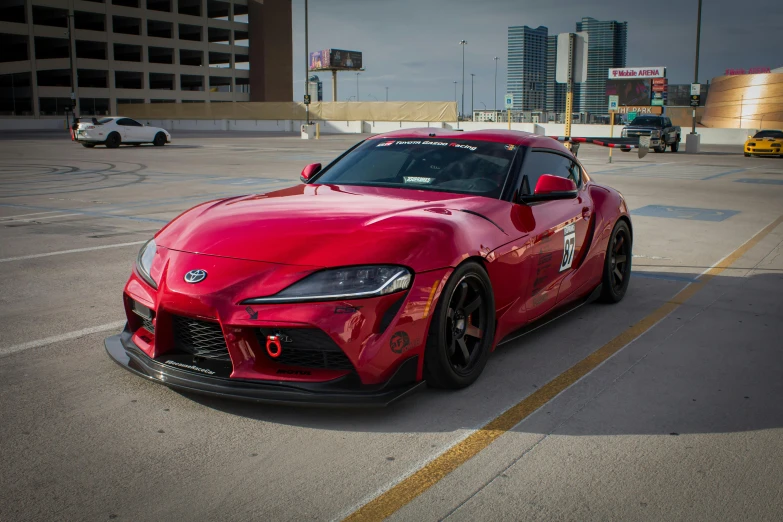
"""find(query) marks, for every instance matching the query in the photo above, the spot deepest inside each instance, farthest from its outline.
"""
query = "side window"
(127, 122)
(538, 163)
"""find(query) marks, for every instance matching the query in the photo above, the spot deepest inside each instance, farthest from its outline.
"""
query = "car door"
(136, 130)
(560, 233)
(126, 129)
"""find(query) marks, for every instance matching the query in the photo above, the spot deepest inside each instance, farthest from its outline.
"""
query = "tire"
(676, 145)
(626, 150)
(747, 154)
(113, 140)
(617, 274)
(661, 147)
(453, 334)
(88, 145)
(160, 140)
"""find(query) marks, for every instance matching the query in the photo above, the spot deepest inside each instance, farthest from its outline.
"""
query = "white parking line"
(73, 251)
(3, 218)
(8, 350)
(41, 218)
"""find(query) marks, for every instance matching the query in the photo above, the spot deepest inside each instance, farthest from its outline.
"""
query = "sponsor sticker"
(511, 147)
(462, 146)
(385, 144)
(420, 180)
(569, 242)
(399, 342)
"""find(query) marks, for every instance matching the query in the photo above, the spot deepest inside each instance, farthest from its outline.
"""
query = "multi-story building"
(527, 67)
(606, 48)
(141, 51)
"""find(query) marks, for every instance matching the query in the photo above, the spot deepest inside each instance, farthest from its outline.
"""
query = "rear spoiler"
(92, 120)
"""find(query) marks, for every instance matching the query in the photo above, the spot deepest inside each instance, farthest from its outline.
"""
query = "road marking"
(8, 350)
(390, 501)
(41, 218)
(73, 251)
(721, 174)
(4, 218)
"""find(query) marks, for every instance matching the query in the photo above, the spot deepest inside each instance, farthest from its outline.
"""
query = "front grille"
(145, 314)
(307, 348)
(200, 338)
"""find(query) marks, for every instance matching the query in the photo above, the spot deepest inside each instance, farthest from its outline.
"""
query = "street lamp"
(373, 97)
(307, 69)
(495, 107)
(463, 43)
(696, 69)
(471, 96)
(387, 94)
(357, 86)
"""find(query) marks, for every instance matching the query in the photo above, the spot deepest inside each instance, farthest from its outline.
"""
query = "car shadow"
(696, 388)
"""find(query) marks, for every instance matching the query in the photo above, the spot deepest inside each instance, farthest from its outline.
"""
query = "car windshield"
(471, 167)
(646, 120)
(105, 120)
(769, 134)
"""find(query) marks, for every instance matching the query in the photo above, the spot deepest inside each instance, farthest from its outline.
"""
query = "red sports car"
(406, 260)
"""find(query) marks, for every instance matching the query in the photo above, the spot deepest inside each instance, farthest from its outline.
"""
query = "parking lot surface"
(676, 413)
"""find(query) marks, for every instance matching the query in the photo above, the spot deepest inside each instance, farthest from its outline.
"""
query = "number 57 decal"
(569, 242)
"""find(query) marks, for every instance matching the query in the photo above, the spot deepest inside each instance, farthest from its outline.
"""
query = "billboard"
(637, 72)
(630, 92)
(335, 59)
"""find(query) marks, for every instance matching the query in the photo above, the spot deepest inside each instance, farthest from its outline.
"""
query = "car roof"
(510, 137)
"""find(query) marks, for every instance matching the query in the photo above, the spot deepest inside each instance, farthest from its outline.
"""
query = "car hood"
(335, 225)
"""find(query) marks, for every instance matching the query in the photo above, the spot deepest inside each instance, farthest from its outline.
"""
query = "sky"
(412, 46)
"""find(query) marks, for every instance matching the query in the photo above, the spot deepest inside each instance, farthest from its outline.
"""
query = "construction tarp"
(325, 111)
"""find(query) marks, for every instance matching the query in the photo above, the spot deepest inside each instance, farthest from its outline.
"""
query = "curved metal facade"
(749, 101)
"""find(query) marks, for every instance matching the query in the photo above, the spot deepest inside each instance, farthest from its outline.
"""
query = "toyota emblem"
(195, 276)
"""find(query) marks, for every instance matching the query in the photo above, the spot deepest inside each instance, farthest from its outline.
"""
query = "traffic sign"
(631, 116)
(695, 89)
(307, 99)
(509, 101)
(695, 100)
(614, 102)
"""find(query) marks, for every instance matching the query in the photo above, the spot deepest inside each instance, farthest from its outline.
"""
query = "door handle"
(586, 213)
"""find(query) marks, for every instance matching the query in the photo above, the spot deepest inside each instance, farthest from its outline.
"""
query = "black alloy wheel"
(676, 145)
(160, 140)
(617, 264)
(462, 330)
(113, 140)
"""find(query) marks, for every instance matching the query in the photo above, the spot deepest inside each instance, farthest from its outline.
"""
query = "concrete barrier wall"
(709, 136)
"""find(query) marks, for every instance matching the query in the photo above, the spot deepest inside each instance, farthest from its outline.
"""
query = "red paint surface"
(257, 245)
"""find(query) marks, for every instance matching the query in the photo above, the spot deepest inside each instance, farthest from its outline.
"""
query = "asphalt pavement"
(665, 406)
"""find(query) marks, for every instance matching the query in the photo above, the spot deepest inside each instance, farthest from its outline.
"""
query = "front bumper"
(763, 150)
(344, 391)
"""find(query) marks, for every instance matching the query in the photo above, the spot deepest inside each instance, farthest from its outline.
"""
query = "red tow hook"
(273, 346)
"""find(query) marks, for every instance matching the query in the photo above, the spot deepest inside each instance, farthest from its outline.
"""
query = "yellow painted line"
(403, 493)
(432, 296)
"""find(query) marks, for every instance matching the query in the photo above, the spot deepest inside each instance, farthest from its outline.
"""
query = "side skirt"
(550, 317)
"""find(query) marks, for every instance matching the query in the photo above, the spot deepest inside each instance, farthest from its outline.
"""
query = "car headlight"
(655, 134)
(343, 283)
(751, 144)
(624, 134)
(144, 261)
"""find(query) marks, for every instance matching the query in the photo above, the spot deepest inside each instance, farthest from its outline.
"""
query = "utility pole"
(495, 107)
(307, 70)
(357, 86)
(696, 69)
(387, 94)
(463, 43)
(471, 96)
(455, 91)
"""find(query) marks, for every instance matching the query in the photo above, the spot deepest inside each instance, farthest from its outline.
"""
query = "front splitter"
(338, 393)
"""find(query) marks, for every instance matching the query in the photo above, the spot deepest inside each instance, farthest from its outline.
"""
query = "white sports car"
(115, 130)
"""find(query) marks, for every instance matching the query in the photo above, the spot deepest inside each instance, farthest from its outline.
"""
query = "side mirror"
(309, 171)
(549, 187)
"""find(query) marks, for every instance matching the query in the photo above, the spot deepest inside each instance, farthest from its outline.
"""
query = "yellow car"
(765, 143)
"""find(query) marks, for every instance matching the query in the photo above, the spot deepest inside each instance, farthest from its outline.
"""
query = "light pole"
(463, 43)
(357, 86)
(696, 69)
(455, 91)
(369, 95)
(495, 107)
(307, 70)
(70, 61)
(471, 95)
(387, 94)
